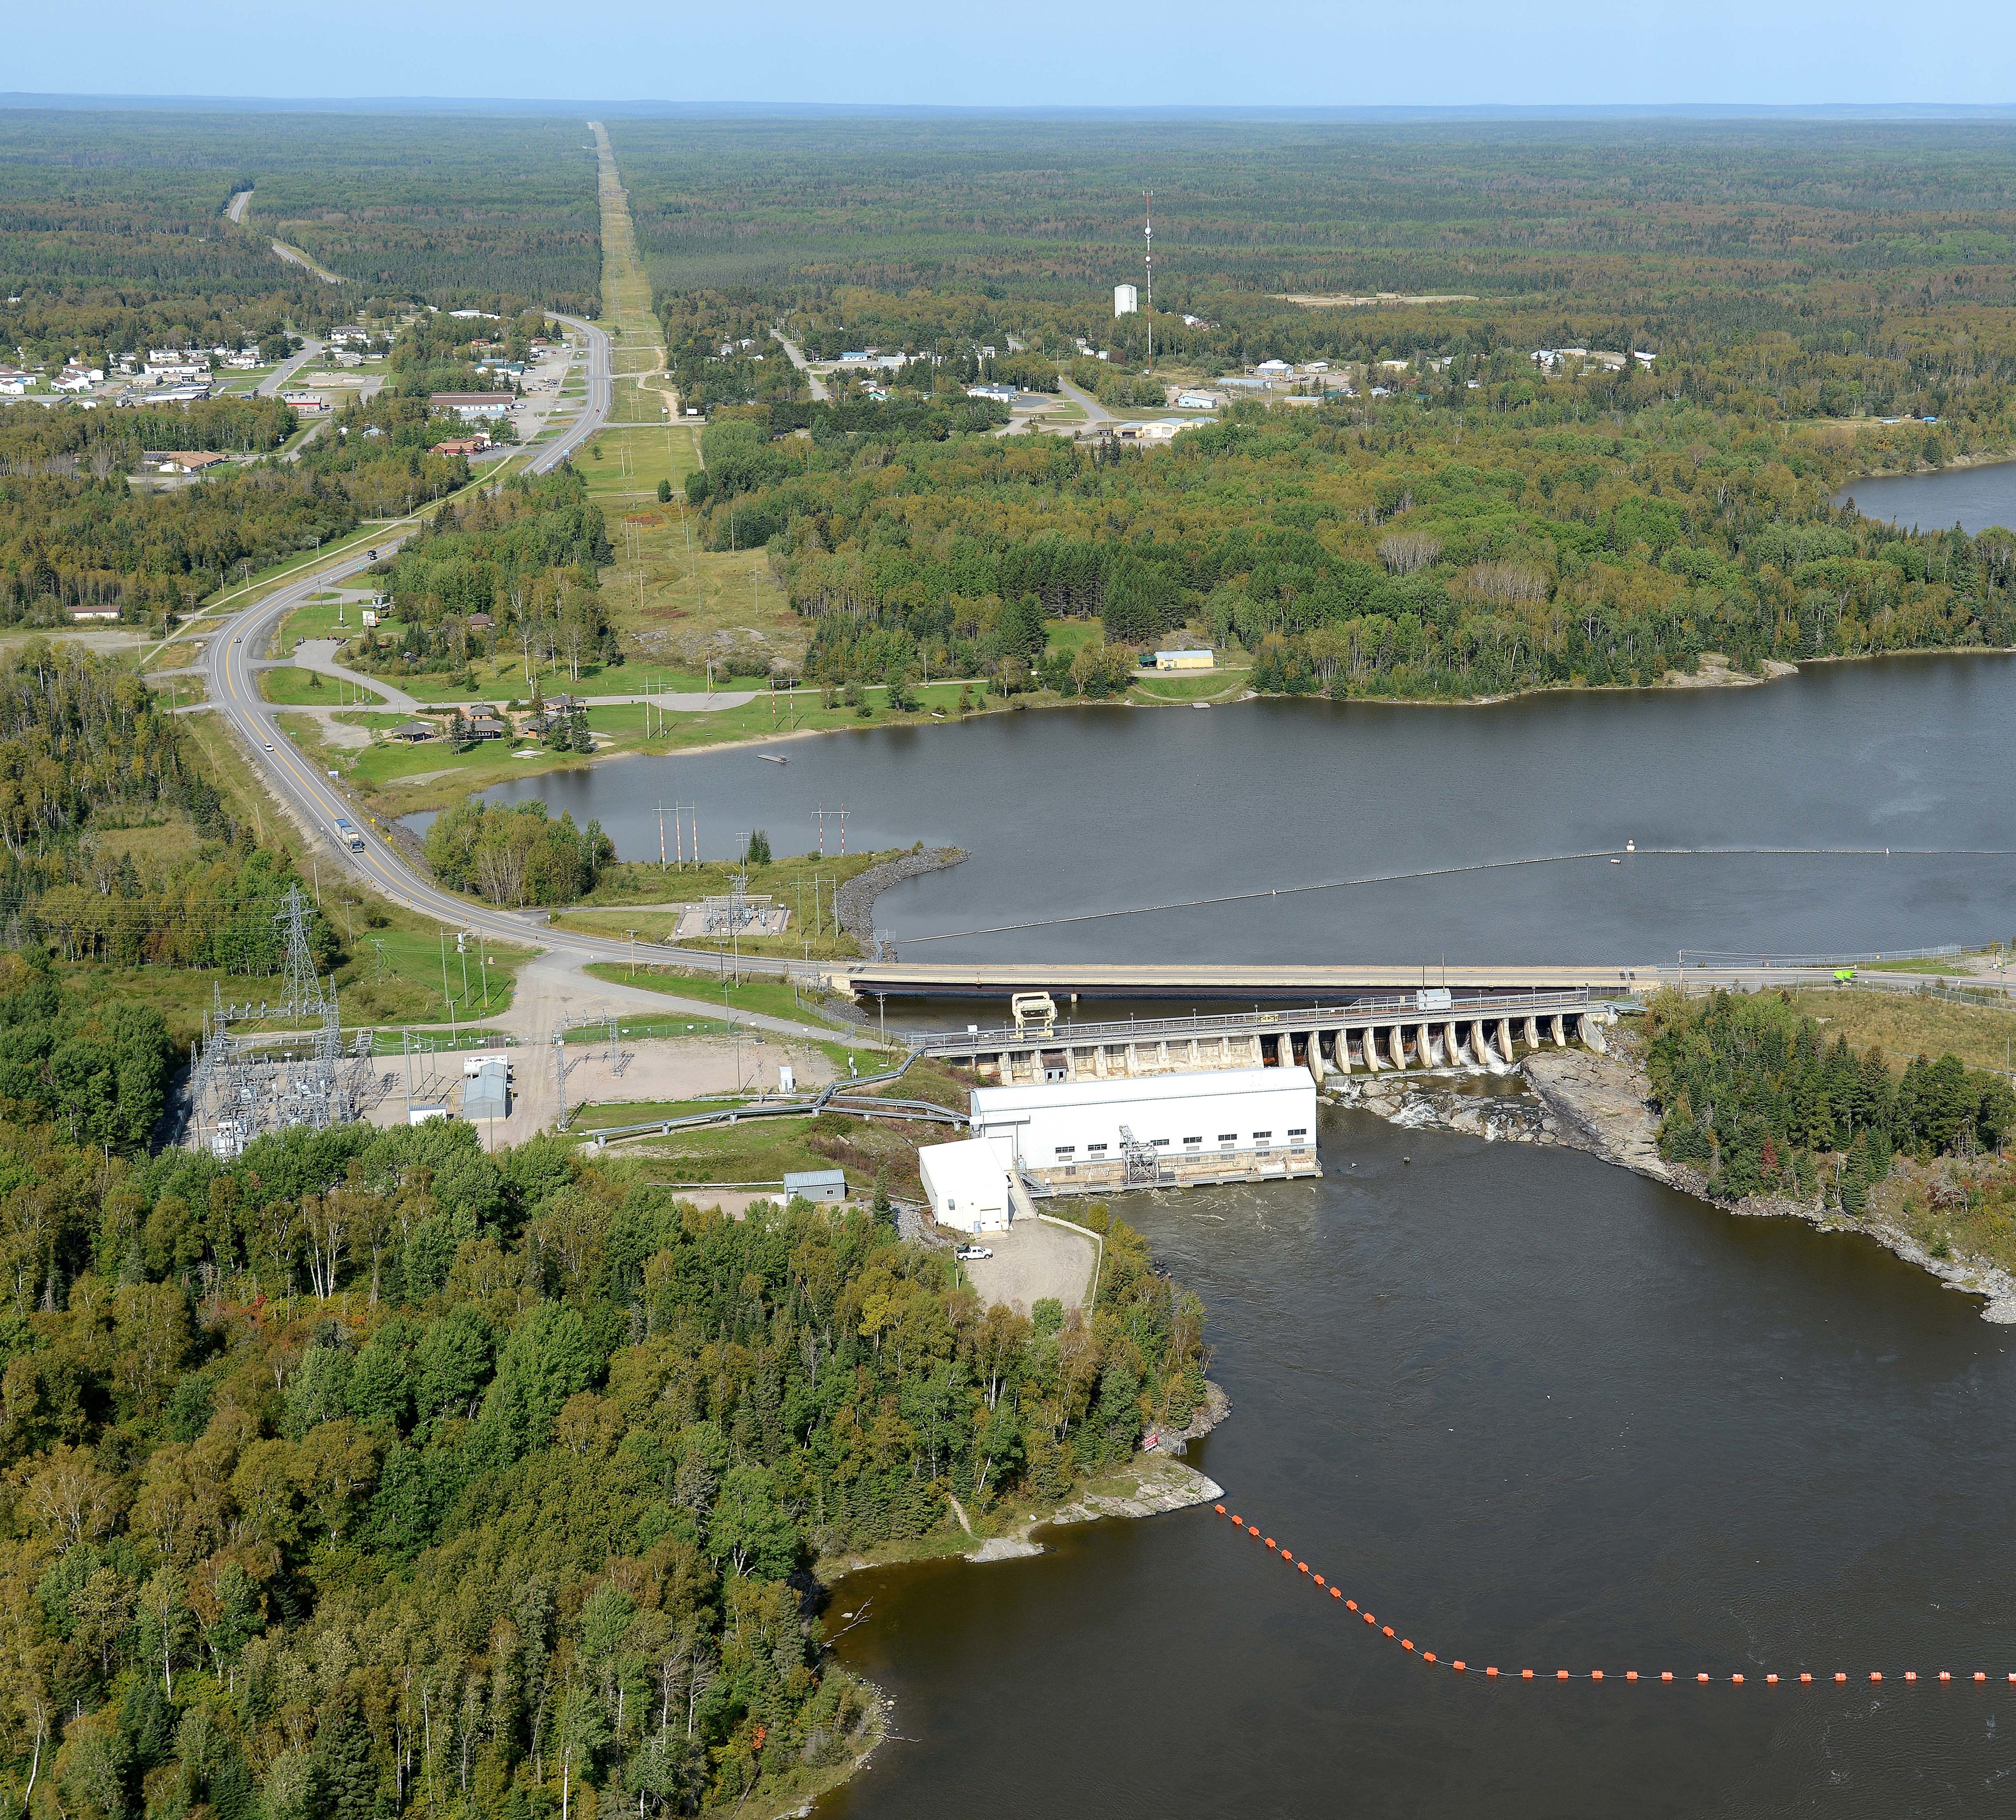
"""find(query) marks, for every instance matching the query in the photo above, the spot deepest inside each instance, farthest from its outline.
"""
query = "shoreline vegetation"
(581, 1458)
(1940, 1200)
(440, 789)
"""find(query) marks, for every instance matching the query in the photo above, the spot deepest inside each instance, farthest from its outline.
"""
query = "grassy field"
(1946, 964)
(290, 687)
(1903, 1026)
(395, 974)
(1158, 686)
(392, 974)
(601, 1117)
(319, 618)
(625, 465)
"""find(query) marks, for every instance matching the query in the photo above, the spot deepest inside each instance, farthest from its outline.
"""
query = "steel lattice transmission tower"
(243, 1087)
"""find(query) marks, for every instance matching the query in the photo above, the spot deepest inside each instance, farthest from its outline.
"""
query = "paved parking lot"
(1032, 1260)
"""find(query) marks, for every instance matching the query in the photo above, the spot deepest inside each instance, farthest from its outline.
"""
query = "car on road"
(269, 745)
(969, 1254)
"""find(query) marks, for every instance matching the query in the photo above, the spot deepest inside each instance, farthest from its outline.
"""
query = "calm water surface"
(1071, 811)
(1974, 498)
(1536, 1412)
(1539, 1412)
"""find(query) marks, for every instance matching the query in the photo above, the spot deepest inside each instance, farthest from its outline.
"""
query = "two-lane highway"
(234, 692)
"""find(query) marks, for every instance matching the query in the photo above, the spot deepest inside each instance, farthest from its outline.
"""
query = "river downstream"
(1069, 813)
(1538, 1412)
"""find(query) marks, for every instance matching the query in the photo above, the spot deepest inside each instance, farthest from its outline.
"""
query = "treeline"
(513, 854)
(75, 534)
(114, 235)
(526, 553)
(1393, 550)
(98, 1071)
(1735, 221)
(85, 754)
(371, 1474)
(719, 350)
(1750, 1096)
(100, 443)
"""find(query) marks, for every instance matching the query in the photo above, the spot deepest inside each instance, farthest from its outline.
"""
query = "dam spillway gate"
(1371, 1037)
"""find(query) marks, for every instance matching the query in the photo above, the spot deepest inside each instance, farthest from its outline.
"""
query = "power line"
(1146, 909)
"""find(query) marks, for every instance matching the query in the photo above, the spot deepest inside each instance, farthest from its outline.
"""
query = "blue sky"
(1271, 53)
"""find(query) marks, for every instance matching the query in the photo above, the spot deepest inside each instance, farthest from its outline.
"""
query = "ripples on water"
(1071, 810)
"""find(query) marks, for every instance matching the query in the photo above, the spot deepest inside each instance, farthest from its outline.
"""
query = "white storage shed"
(966, 1184)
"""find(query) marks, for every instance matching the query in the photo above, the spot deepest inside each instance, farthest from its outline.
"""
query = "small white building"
(1126, 300)
(1166, 1129)
(1197, 400)
(1275, 369)
(966, 1183)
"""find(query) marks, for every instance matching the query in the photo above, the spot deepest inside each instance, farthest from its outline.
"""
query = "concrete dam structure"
(1426, 1029)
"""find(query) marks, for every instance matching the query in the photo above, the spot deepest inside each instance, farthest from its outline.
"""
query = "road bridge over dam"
(1247, 983)
(1371, 1035)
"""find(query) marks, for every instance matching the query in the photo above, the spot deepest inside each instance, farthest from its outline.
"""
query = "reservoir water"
(1974, 498)
(1068, 812)
(1534, 1412)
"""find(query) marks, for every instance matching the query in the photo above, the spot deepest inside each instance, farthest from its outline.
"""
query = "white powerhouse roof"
(991, 1103)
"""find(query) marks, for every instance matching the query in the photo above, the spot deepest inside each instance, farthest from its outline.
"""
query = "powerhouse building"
(1232, 1125)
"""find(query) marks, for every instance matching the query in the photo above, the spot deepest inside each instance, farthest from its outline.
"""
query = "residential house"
(461, 445)
(181, 460)
(413, 732)
(486, 726)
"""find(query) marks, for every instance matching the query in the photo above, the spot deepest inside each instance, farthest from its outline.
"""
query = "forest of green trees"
(1751, 1097)
(85, 751)
(1514, 542)
(516, 853)
(112, 232)
(371, 1474)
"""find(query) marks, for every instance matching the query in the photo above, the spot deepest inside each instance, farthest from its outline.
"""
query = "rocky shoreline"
(1601, 1104)
(855, 901)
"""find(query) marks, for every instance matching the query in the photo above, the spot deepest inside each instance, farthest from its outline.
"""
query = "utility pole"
(843, 831)
(661, 837)
(821, 828)
(378, 944)
(632, 934)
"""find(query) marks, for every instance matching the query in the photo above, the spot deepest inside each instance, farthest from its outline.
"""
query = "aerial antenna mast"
(1148, 229)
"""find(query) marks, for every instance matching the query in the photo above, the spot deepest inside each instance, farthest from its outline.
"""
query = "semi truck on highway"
(349, 834)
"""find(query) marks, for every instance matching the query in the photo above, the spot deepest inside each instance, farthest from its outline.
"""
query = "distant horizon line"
(26, 101)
